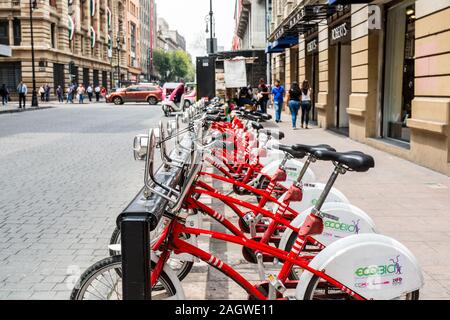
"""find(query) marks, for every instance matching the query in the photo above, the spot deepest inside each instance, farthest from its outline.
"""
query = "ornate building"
(379, 71)
(74, 41)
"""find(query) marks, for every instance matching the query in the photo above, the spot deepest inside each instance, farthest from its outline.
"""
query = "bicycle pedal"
(261, 270)
(276, 284)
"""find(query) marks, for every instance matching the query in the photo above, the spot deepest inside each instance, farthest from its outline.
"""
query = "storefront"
(398, 71)
(312, 68)
(340, 52)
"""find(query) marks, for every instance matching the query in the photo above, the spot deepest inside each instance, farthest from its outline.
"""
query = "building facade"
(251, 24)
(380, 71)
(74, 41)
(169, 40)
(149, 28)
(133, 37)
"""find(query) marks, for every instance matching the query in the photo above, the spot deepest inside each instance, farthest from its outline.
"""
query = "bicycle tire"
(181, 273)
(89, 276)
(314, 282)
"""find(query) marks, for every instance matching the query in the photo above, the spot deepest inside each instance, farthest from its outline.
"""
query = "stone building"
(74, 41)
(149, 31)
(169, 40)
(250, 19)
(380, 71)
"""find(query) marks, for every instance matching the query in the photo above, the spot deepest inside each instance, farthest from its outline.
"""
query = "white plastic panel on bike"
(293, 168)
(311, 194)
(372, 265)
(341, 220)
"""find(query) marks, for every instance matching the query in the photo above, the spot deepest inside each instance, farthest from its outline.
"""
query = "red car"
(136, 93)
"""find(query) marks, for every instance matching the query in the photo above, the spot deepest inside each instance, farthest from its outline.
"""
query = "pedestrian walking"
(4, 93)
(81, 91)
(263, 91)
(42, 93)
(23, 91)
(97, 93)
(47, 92)
(306, 102)
(59, 93)
(90, 92)
(293, 98)
(278, 97)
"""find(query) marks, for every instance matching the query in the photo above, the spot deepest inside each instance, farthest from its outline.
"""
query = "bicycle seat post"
(336, 172)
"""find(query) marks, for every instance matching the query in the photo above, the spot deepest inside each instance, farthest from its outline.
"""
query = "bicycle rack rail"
(139, 218)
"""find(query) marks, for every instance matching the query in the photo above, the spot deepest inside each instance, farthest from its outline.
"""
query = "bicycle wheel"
(318, 289)
(102, 282)
(181, 268)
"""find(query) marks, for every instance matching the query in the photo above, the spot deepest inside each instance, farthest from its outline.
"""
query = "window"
(4, 32)
(53, 35)
(17, 31)
(399, 74)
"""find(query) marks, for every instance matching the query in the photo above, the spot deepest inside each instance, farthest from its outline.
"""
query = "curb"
(27, 109)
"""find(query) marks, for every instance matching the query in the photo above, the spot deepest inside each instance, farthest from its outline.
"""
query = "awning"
(5, 51)
(270, 49)
(285, 42)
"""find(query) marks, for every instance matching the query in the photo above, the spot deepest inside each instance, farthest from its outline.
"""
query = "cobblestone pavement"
(65, 175)
(407, 202)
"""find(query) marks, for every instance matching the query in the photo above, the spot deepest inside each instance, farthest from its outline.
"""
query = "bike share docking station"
(141, 217)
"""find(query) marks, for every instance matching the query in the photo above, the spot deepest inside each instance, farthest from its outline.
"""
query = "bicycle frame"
(178, 246)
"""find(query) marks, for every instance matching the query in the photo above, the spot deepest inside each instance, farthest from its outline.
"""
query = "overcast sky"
(188, 17)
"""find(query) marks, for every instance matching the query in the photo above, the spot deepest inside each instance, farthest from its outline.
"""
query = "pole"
(211, 26)
(34, 100)
(151, 38)
(118, 64)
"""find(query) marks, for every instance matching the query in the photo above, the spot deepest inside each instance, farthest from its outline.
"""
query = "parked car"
(136, 93)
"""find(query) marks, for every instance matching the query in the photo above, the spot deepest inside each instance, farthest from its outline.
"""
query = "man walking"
(278, 97)
(23, 91)
(89, 91)
(59, 93)
(4, 94)
(47, 92)
(97, 93)
(80, 91)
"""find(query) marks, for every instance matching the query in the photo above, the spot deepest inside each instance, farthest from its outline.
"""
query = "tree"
(161, 61)
(174, 65)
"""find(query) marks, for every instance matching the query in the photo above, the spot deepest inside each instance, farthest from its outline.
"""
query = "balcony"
(10, 5)
(243, 19)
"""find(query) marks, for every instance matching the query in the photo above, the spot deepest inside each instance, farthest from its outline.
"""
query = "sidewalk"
(407, 202)
(13, 107)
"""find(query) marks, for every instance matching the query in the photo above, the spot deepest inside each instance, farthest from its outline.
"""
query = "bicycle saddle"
(291, 151)
(311, 149)
(353, 160)
(257, 126)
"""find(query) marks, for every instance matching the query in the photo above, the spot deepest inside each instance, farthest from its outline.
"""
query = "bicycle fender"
(372, 265)
(341, 220)
(173, 278)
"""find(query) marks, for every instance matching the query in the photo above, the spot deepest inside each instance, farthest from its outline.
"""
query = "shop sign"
(312, 46)
(340, 33)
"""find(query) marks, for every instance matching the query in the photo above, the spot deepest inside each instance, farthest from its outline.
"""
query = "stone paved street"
(65, 175)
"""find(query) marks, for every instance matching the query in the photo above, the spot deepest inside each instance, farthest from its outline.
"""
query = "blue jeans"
(263, 105)
(294, 106)
(81, 98)
(306, 109)
(277, 106)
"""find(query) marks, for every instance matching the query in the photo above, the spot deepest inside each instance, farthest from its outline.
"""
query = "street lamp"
(34, 99)
(210, 19)
(119, 47)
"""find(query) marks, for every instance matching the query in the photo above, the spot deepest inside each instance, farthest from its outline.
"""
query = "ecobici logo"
(391, 268)
(348, 228)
